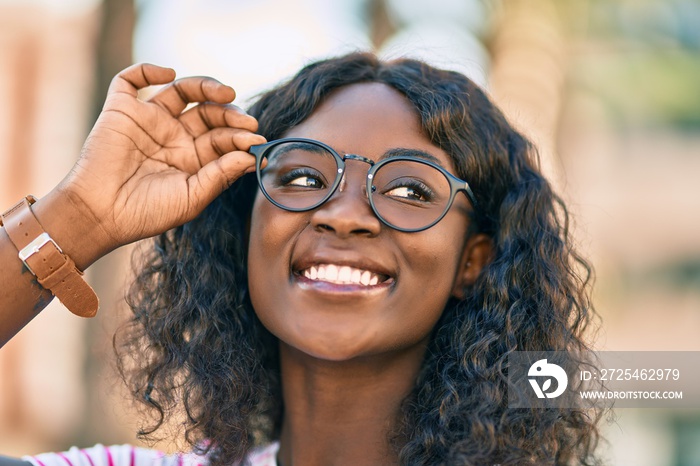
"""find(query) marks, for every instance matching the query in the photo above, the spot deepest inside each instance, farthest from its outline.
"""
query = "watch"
(54, 270)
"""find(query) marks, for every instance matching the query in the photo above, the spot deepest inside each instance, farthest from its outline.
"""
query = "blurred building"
(629, 141)
(46, 80)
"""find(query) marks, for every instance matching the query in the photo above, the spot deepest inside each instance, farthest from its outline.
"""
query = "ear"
(476, 254)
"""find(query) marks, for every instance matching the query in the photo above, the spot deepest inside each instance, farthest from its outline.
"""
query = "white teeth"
(331, 273)
(341, 274)
(344, 274)
(365, 278)
(311, 273)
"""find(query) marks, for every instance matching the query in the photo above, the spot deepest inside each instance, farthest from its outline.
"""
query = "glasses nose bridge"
(359, 158)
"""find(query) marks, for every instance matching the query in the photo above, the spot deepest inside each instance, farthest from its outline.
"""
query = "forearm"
(22, 298)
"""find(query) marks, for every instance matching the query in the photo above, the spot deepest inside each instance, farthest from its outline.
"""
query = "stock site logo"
(544, 370)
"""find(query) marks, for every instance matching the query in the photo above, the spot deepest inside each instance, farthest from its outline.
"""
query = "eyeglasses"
(406, 192)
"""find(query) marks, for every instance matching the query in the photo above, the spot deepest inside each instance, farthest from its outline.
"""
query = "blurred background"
(608, 89)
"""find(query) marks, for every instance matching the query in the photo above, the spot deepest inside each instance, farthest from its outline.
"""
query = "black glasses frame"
(456, 184)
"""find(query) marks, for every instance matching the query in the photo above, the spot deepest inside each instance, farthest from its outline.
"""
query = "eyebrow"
(402, 151)
(288, 147)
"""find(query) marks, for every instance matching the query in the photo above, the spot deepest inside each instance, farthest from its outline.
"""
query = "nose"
(348, 212)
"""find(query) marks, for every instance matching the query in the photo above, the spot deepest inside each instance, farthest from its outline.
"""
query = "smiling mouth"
(343, 275)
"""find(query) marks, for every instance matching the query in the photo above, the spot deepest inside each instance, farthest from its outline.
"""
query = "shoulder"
(115, 455)
(128, 455)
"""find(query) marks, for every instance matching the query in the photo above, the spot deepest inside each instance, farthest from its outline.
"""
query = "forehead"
(368, 119)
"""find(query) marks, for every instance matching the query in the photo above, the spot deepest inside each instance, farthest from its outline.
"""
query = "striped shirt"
(128, 455)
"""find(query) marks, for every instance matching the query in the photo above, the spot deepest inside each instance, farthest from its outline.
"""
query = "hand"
(148, 166)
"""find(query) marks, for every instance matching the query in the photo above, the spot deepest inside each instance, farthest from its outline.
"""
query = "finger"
(177, 95)
(220, 141)
(216, 176)
(203, 117)
(138, 76)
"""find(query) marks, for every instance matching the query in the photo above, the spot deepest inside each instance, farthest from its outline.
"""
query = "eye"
(409, 189)
(302, 178)
(406, 192)
(306, 181)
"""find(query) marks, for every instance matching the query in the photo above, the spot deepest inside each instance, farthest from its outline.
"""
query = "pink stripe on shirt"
(65, 458)
(89, 458)
(110, 461)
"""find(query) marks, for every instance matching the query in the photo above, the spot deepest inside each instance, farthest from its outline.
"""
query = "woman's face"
(415, 272)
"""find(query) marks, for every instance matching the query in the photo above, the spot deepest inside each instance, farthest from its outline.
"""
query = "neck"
(343, 413)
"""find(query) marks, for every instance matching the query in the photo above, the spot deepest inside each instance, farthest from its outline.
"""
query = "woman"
(352, 321)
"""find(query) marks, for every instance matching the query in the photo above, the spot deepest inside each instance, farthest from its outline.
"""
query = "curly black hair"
(195, 346)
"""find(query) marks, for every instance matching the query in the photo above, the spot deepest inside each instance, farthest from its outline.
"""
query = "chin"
(329, 347)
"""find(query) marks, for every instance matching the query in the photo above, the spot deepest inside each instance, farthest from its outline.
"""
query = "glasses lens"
(298, 175)
(409, 194)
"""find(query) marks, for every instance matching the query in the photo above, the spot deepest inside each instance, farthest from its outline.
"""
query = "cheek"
(432, 260)
(435, 255)
(272, 235)
(427, 287)
(264, 251)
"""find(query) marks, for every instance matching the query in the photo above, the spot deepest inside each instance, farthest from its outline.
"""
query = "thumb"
(216, 176)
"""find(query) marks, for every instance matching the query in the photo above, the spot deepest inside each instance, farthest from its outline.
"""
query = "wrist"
(73, 227)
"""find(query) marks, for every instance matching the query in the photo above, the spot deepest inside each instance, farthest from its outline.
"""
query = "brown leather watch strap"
(43, 257)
